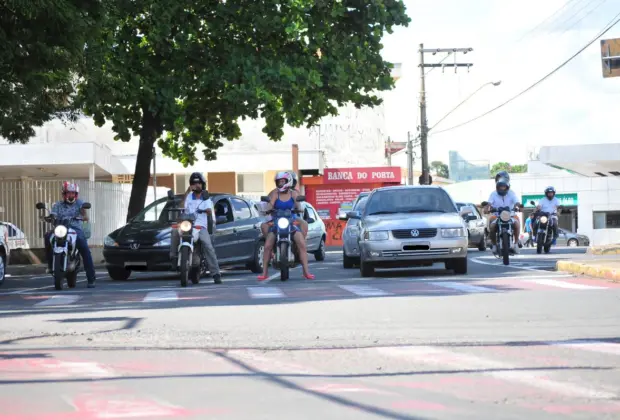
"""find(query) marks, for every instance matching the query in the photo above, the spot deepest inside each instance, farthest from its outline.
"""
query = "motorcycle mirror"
(300, 198)
(204, 195)
(86, 206)
(170, 195)
(264, 198)
(40, 206)
(532, 203)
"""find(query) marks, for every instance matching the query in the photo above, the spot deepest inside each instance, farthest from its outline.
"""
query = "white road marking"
(57, 300)
(595, 346)
(166, 295)
(518, 267)
(17, 292)
(265, 292)
(364, 290)
(563, 284)
(445, 358)
(463, 287)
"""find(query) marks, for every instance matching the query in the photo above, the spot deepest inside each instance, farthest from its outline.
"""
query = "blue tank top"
(285, 205)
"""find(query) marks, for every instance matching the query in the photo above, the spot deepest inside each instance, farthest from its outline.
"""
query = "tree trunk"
(142, 173)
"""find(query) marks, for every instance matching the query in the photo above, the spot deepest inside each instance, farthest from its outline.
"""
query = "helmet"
(294, 175)
(502, 174)
(550, 191)
(502, 182)
(70, 187)
(287, 177)
(197, 177)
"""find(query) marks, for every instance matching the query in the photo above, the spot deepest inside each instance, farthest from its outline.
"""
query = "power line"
(575, 14)
(583, 17)
(610, 25)
(545, 20)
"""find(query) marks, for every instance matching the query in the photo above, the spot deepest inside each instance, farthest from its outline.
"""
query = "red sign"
(384, 174)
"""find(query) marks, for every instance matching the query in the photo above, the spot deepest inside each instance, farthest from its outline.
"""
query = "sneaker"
(91, 284)
(217, 279)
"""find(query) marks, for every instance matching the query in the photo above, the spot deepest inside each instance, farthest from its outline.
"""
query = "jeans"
(82, 246)
(208, 251)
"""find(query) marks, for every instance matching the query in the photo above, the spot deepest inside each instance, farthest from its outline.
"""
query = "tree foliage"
(440, 169)
(192, 69)
(505, 166)
(42, 44)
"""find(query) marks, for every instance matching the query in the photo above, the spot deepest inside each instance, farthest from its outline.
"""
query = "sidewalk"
(603, 268)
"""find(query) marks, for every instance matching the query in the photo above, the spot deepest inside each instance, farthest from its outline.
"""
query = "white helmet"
(286, 176)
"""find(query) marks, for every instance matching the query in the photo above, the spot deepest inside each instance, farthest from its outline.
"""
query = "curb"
(598, 271)
(604, 250)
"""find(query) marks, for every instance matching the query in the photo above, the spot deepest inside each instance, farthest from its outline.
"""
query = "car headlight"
(505, 216)
(60, 231)
(163, 242)
(109, 242)
(453, 233)
(283, 223)
(543, 219)
(377, 235)
(185, 226)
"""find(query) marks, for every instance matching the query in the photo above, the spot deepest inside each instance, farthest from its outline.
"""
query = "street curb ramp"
(601, 271)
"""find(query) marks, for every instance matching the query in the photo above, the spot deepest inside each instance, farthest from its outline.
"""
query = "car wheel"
(482, 246)
(572, 242)
(347, 262)
(366, 269)
(118, 273)
(2, 267)
(256, 266)
(458, 265)
(319, 254)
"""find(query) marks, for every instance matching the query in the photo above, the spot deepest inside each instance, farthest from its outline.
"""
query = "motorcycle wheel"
(539, 242)
(59, 275)
(284, 261)
(506, 248)
(185, 266)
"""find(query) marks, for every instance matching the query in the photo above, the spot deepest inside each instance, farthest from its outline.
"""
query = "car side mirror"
(204, 195)
(465, 210)
(342, 215)
(170, 195)
(353, 215)
(86, 206)
(264, 198)
(471, 217)
(40, 206)
(300, 198)
(221, 220)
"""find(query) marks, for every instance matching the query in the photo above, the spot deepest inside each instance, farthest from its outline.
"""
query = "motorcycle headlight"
(505, 216)
(283, 223)
(543, 219)
(185, 226)
(60, 231)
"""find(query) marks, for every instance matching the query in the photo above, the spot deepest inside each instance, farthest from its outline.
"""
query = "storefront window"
(606, 219)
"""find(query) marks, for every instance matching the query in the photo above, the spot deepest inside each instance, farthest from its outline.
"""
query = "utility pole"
(154, 174)
(409, 159)
(423, 122)
(389, 151)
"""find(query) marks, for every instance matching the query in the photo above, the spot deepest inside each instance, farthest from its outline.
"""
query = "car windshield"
(410, 200)
(158, 211)
(361, 204)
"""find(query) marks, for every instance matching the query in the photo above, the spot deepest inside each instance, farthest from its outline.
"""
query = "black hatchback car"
(144, 243)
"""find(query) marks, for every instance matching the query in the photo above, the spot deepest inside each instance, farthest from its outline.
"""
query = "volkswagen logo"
(415, 233)
(134, 246)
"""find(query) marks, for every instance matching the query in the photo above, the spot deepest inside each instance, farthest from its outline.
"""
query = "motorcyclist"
(550, 204)
(283, 197)
(68, 208)
(194, 202)
(503, 197)
(302, 223)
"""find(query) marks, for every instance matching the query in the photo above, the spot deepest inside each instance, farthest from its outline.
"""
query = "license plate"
(135, 263)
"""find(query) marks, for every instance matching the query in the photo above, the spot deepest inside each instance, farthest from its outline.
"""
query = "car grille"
(406, 233)
(429, 253)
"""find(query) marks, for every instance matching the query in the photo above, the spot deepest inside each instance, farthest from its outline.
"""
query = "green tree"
(42, 44)
(440, 169)
(505, 166)
(190, 70)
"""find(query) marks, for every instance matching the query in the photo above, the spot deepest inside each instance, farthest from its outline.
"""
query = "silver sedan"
(407, 226)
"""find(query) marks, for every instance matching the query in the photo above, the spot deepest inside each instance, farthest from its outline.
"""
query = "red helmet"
(70, 187)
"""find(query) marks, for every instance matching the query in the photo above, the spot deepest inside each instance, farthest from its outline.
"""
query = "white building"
(586, 178)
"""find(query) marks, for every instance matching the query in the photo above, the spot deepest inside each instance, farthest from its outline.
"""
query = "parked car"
(342, 212)
(350, 249)
(5, 252)
(16, 237)
(144, 243)
(476, 227)
(568, 238)
(411, 225)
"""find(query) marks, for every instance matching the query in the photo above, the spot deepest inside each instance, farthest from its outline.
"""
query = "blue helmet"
(502, 182)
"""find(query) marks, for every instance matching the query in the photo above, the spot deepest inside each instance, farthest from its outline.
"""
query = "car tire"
(319, 254)
(118, 273)
(366, 269)
(572, 242)
(459, 266)
(256, 266)
(347, 262)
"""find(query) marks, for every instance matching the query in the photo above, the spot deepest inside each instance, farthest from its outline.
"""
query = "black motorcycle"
(286, 255)
(544, 231)
(505, 230)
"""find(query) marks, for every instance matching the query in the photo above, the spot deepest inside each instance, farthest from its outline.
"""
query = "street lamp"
(465, 100)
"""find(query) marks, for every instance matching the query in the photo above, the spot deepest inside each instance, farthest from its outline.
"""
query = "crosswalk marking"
(57, 300)
(364, 290)
(595, 346)
(463, 287)
(166, 295)
(564, 284)
(265, 292)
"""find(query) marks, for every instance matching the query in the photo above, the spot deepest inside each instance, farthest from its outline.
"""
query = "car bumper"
(151, 259)
(395, 253)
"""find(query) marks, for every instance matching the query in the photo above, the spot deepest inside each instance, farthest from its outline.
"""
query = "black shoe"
(91, 284)
(174, 264)
(217, 279)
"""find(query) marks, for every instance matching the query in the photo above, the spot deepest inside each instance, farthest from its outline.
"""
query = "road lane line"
(364, 290)
(57, 300)
(595, 346)
(163, 296)
(464, 287)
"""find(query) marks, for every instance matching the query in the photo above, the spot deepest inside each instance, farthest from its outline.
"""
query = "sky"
(513, 42)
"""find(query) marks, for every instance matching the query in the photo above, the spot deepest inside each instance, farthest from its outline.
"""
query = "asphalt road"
(499, 343)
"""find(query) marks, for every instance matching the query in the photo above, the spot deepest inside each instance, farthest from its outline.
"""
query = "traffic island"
(608, 269)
